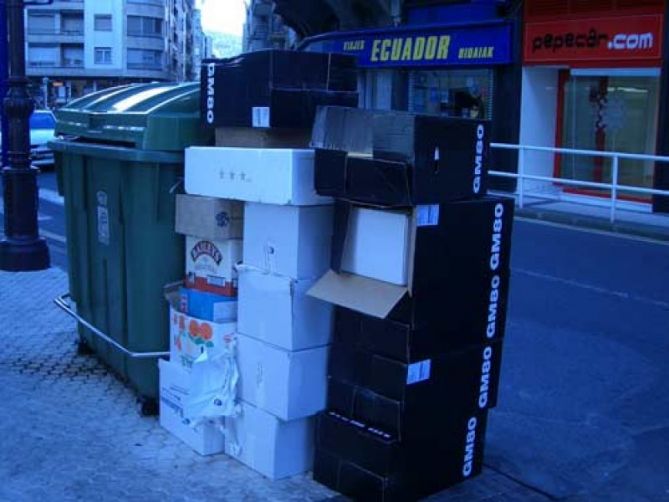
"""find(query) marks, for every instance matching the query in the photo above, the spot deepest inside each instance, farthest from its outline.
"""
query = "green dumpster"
(119, 163)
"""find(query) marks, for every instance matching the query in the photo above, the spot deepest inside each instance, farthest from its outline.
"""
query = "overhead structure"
(311, 17)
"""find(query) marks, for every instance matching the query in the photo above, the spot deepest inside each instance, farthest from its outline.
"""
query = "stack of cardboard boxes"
(262, 106)
(419, 277)
(282, 334)
(203, 315)
(372, 283)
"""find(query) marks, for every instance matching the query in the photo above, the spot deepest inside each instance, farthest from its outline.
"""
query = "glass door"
(615, 113)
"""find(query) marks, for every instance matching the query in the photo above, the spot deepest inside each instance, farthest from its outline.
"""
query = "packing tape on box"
(267, 287)
(232, 445)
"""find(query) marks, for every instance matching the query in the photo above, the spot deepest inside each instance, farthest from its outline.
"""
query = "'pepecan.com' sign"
(630, 38)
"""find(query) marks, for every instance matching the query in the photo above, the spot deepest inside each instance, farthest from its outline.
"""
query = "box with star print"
(280, 176)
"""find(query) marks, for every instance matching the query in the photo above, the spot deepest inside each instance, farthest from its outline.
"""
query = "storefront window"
(609, 113)
(453, 93)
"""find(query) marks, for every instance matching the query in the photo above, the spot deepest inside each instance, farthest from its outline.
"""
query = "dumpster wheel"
(148, 406)
(83, 349)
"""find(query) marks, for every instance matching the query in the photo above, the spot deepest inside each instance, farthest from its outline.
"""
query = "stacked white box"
(283, 334)
(275, 448)
(283, 176)
(287, 384)
(277, 310)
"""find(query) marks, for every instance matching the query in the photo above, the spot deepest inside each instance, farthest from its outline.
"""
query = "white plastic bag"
(213, 388)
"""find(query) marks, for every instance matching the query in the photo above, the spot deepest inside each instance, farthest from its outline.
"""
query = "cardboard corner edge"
(171, 293)
(368, 296)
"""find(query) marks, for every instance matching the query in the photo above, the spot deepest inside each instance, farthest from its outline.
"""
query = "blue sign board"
(426, 46)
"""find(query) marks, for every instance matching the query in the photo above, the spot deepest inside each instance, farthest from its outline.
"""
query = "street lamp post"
(22, 248)
(3, 78)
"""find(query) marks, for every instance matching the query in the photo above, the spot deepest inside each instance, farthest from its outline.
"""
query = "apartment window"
(103, 55)
(41, 24)
(145, 58)
(73, 56)
(43, 55)
(103, 22)
(142, 26)
(72, 24)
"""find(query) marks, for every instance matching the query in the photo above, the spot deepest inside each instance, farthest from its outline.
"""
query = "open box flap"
(369, 296)
(344, 129)
(171, 294)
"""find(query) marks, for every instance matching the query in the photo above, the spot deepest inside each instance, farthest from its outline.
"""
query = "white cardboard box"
(289, 385)
(377, 245)
(210, 264)
(206, 438)
(276, 309)
(288, 240)
(270, 176)
(190, 337)
(273, 447)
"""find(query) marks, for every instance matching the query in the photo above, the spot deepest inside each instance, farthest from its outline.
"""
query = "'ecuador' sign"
(481, 45)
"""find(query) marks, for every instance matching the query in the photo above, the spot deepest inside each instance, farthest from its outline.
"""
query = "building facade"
(593, 79)
(456, 59)
(202, 44)
(78, 46)
(264, 29)
(575, 74)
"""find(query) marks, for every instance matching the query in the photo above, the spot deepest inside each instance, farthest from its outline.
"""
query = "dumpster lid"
(158, 116)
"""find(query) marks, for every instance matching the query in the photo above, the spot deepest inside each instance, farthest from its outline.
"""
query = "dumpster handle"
(63, 304)
(176, 186)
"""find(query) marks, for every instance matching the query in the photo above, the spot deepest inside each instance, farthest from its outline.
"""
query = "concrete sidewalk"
(71, 430)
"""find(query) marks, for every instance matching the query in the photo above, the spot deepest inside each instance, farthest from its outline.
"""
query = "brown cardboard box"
(209, 217)
(247, 137)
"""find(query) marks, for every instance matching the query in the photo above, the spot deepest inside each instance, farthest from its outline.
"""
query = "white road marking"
(52, 196)
(586, 230)
(53, 236)
(596, 289)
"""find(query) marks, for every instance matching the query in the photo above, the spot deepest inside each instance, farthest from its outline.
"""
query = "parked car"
(42, 124)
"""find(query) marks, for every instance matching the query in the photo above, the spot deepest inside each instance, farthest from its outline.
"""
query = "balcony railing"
(132, 33)
(43, 64)
(73, 63)
(66, 63)
(145, 66)
(56, 31)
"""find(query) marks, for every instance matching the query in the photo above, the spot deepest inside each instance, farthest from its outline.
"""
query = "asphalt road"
(584, 403)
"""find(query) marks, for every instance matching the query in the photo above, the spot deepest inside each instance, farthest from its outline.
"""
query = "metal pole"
(521, 177)
(4, 125)
(22, 248)
(614, 188)
(45, 92)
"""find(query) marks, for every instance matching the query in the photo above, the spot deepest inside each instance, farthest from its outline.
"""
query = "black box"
(354, 481)
(459, 276)
(275, 88)
(398, 340)
(356, 459)
(412, 401)
(399, 159)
